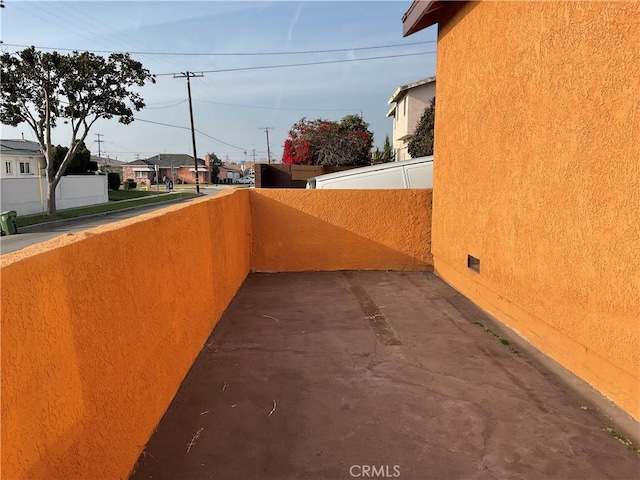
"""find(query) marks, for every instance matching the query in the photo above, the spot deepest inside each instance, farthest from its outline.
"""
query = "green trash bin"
(8, 222)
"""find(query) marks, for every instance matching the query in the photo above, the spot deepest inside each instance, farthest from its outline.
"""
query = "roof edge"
(392, 111)
(422, 14)
(396, 95)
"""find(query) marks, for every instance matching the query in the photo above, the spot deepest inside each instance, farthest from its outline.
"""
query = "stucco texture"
(537, 174)
(326, 230)
(99, 329)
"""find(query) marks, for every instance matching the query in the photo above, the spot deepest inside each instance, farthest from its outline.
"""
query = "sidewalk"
(345, 375)
(40, 232)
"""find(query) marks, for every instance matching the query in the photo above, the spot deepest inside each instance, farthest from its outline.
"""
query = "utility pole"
(188, 75)
(98, 141)
(254, 155)
(266, 130)
(157, 169)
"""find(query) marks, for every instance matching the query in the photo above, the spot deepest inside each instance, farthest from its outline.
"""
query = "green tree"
(216, 163)
(81, 162)
(376, 156)
(421, 144)
(113, 180)
(387, 151)
(355, 123)
(384, 156)
(79, 88)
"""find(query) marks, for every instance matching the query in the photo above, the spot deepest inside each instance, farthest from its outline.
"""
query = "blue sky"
(232, 106)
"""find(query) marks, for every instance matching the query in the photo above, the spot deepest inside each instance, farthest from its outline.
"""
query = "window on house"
(25, 168)
(7, 168)
(404, 106)
(140, 175)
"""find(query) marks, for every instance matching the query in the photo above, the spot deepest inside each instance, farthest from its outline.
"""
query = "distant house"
(248, 168)
(20, 158)
(407, 104)
(179, 168)
(111, 165)
(229, 173)
(536, 188)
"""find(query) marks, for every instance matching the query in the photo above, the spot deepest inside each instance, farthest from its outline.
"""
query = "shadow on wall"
(98, 334)
(308, 230)
(100, 328)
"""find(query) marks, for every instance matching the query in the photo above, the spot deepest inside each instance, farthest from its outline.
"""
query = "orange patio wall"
(99, 329)
(315, 230)
(537, 174)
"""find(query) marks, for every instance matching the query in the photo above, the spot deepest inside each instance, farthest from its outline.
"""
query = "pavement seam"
(379, 322)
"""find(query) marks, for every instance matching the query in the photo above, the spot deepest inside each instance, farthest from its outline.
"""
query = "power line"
(46, 19)
(127, 38)
(305, 64)
(187, 128)
(84, 21)
(265, 67)
(264, 107)
(178, 102)
(51, 14)
(279, 108)
(81, 27)
(235, 54)
(219, 141)
(160, 123)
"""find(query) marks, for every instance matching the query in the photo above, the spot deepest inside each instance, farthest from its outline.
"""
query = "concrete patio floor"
(328, 375)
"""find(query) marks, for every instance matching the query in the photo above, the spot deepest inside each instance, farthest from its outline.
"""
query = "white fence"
(23, 194)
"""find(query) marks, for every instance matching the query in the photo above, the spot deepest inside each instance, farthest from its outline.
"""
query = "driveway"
(342, 375)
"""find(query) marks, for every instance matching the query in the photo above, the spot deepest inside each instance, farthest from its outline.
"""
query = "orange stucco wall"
(96, 338)
(88, 367)
(537, 174)
(313, 230)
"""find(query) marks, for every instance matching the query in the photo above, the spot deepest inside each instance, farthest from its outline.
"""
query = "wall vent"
(473, 263)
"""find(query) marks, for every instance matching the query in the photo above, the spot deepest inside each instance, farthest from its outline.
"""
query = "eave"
(422, 14)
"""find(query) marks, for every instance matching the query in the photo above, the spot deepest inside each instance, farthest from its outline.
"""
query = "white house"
(20, 158)
(407, 104)
(108, 164)
(24, 189)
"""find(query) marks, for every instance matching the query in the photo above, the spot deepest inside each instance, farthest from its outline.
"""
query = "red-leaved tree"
(297, 148)
(325, 142)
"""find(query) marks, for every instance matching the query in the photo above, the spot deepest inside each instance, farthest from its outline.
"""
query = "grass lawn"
(102, 208)
(116, 195)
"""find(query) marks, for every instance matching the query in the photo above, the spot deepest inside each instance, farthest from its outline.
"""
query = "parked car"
(414, 173)
(246, 180)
